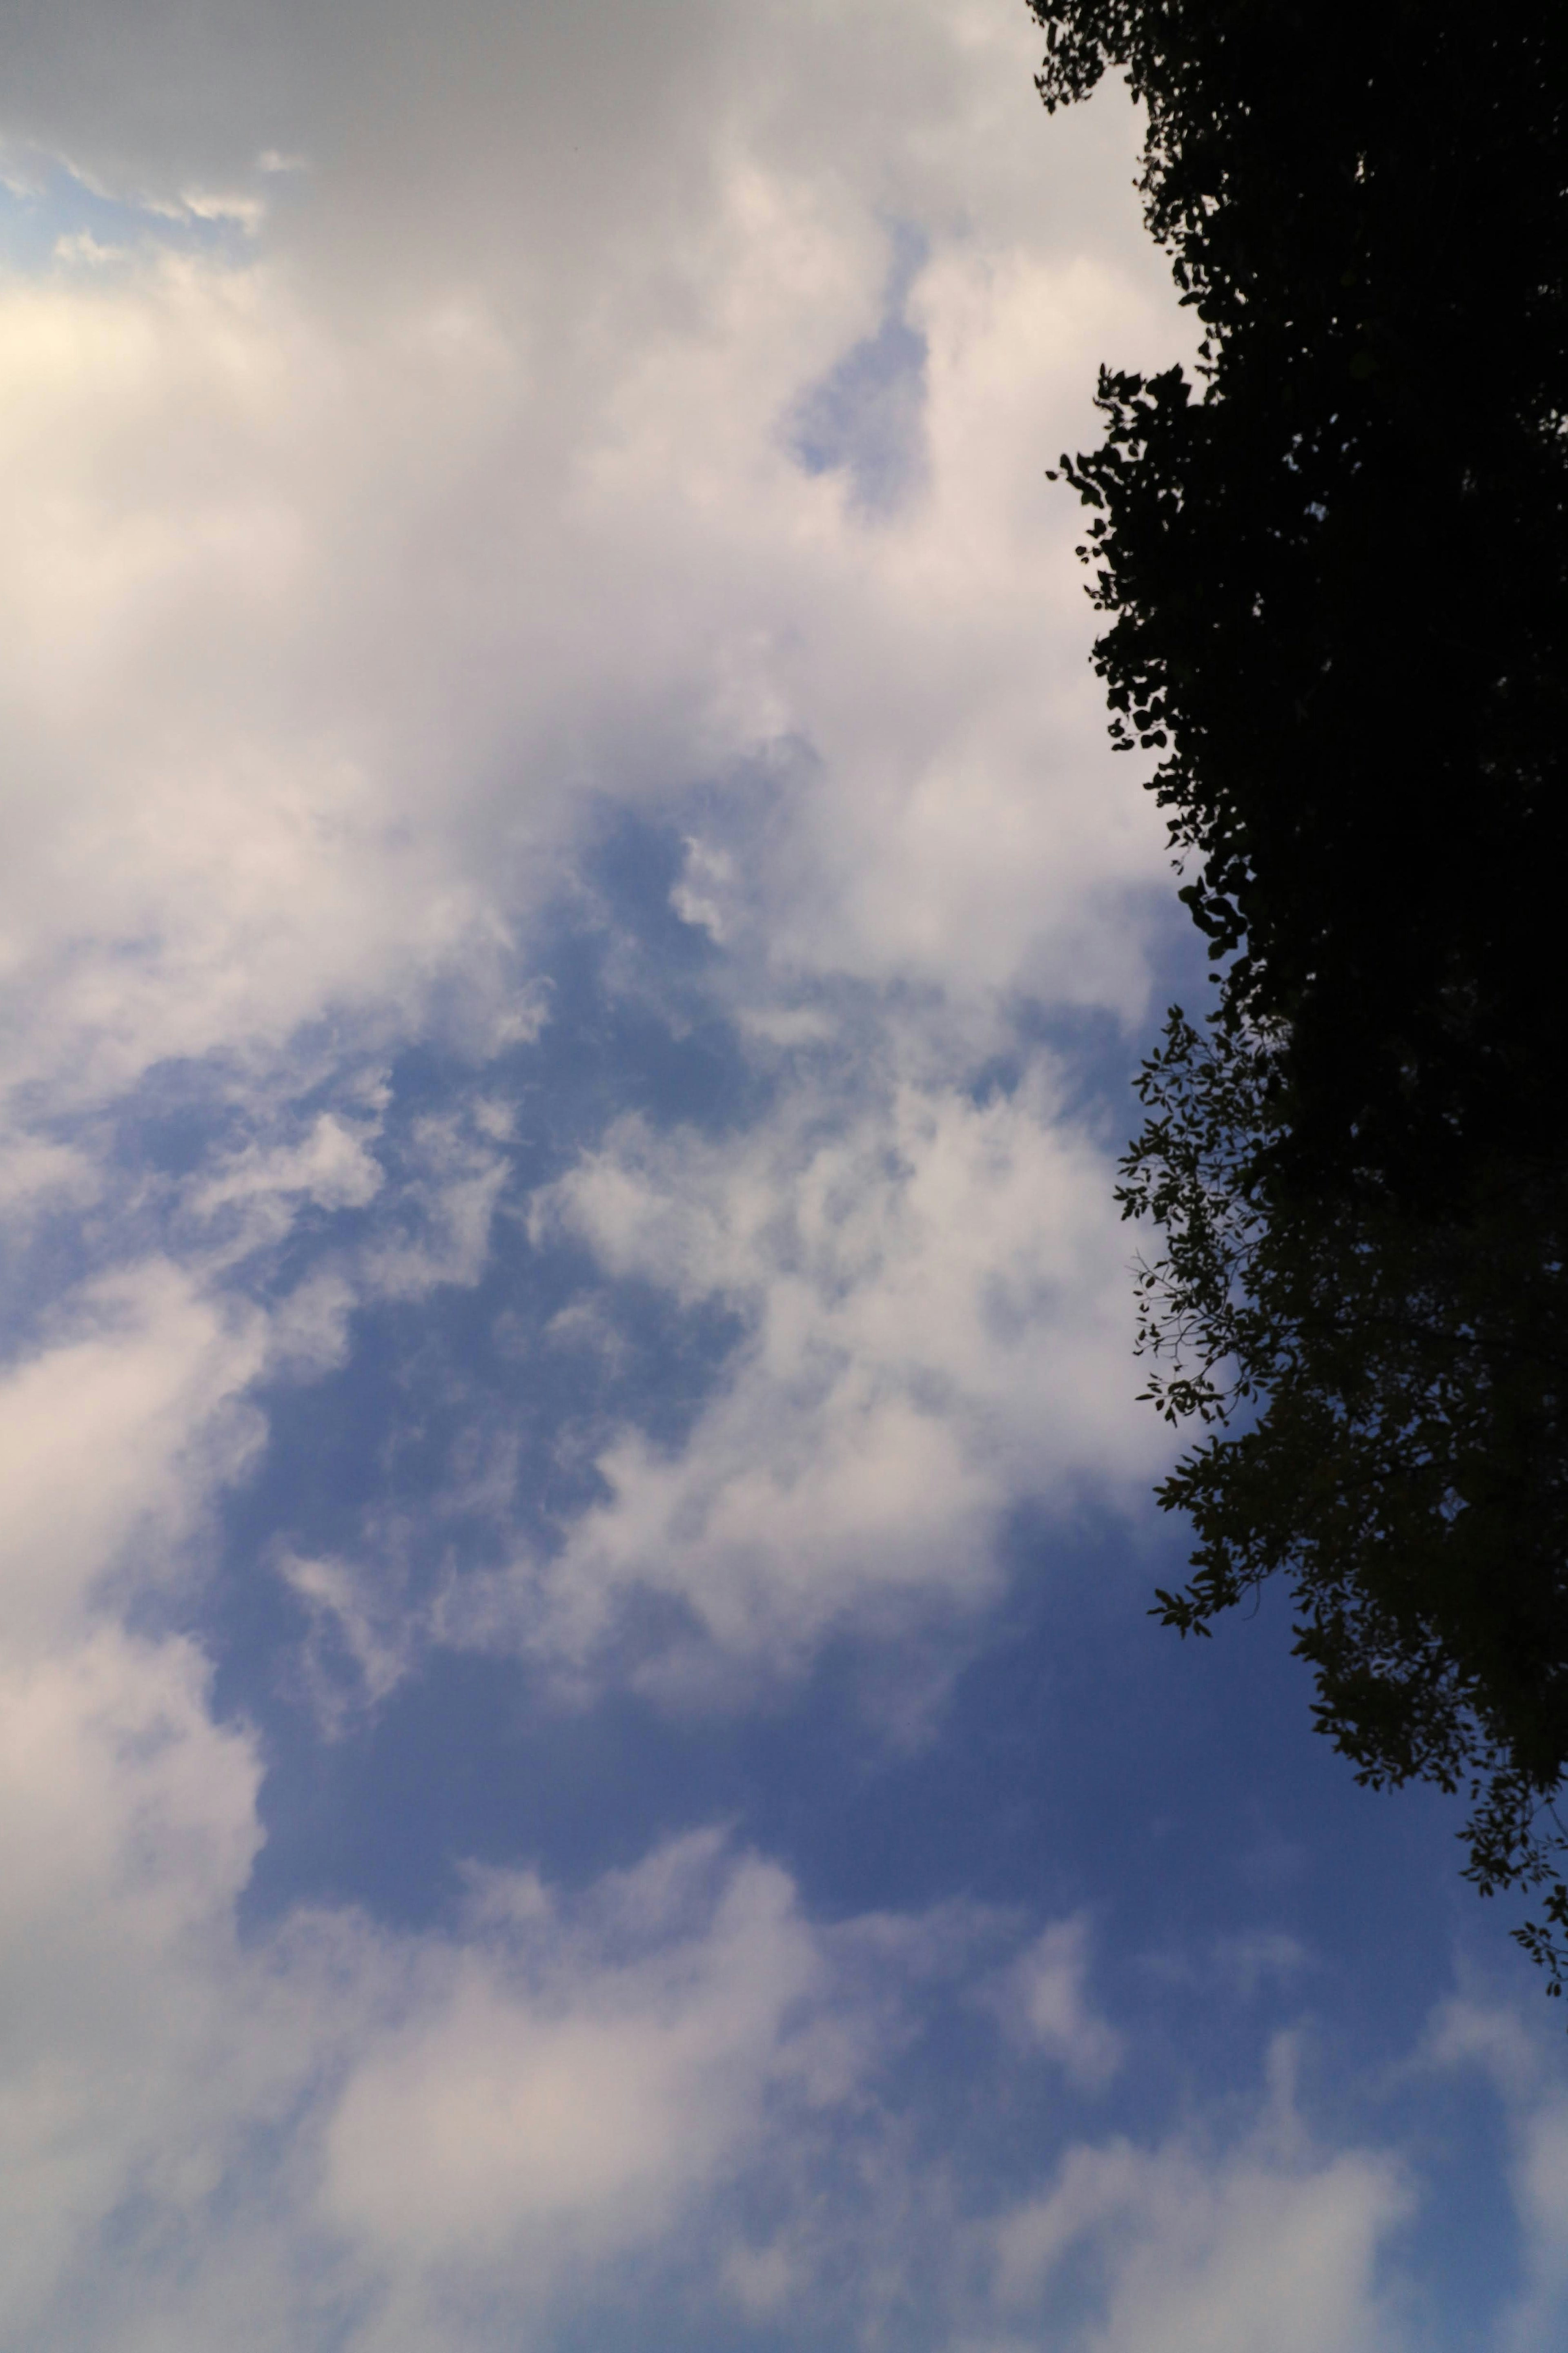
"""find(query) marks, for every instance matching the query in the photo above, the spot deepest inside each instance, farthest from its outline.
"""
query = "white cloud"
(1044, 2000)
(342, 2131)
(1522, 2061)
(563, 2102)
(481, 2137)
(352, 569)
(322, 606)
(329, 1165)
(111, 1438)
(360, 1616)
(202, 855)
(38, 1176)
(934, 1324)
(81, 249)
(445, 1206)
(384, 2140)
(138, 2046)
(1268, 2248)
(346, 2135)
(126, 1823)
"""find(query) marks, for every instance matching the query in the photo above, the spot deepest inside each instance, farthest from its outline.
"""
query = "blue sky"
(583, 1762)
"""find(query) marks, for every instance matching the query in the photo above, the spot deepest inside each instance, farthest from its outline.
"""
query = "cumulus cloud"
(930, 1295)
(568, 2101)
(319, 623)
(349, 2137)
(333, 2115)
(558, 2109)
(669, 2091)
(1245, 2255)
(110, 1437)
(559, 2104)
(359, 2136)
(361, 558)
(338, 2118)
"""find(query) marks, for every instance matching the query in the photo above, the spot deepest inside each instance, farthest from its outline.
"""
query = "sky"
(584, 1766)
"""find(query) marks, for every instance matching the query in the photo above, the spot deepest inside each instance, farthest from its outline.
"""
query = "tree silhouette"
(1335, 568)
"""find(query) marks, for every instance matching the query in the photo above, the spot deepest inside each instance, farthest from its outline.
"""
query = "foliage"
(1383, 1399)
(1335, 568)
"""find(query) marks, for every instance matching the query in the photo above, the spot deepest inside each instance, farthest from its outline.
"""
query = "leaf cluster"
(1381, 1407)
(1334, 569)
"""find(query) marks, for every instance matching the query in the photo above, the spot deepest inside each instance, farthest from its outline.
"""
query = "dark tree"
(1336, 573)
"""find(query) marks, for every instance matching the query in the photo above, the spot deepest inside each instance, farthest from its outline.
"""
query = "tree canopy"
(1334, 563)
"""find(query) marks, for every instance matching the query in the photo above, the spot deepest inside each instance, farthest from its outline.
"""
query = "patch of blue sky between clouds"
(52, 217)
(866, 418)
(471, 1414)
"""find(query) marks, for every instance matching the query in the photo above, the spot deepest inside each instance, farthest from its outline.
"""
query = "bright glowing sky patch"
(582, 1764)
